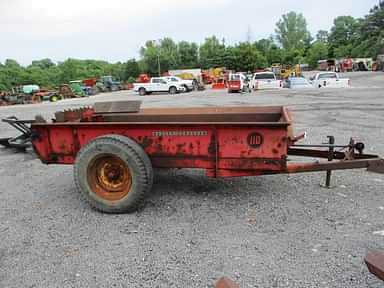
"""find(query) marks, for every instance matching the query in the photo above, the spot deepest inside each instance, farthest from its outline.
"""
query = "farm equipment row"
(30, 94)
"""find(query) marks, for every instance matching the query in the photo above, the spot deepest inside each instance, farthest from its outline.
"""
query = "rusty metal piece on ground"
(225, 282)
(117, 107)
(110, 177)
(375, 263)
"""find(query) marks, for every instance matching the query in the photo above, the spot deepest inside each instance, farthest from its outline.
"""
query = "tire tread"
(140, 157)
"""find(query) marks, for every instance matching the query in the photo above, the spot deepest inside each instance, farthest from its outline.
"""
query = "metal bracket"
(331, 141)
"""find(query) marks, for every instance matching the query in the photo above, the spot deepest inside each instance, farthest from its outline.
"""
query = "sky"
(114, 30)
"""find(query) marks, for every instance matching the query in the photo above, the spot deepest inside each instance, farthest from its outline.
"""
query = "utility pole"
(158, 42)
(248, 36)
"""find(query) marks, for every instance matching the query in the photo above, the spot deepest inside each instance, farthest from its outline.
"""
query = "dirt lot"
(269, 231)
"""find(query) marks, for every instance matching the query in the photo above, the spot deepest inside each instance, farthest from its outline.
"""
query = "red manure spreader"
(114, 147)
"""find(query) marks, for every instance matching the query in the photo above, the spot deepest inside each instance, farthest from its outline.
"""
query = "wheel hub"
(109, 177)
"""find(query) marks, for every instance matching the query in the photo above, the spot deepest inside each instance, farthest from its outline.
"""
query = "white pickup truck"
(189, 85)
(265, 80)
(330, 80)
(158, 84)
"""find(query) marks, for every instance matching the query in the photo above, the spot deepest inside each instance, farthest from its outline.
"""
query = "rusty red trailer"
(114, 147)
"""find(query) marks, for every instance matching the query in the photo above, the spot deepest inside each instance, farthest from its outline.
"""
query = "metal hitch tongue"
(21, 142)
(375, 263)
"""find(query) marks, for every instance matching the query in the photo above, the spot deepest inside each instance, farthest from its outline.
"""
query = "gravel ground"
(267, 231)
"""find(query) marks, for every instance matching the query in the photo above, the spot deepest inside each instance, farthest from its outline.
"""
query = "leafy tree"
(292, 33)
(316, 52)
(322, 36)
(131, 69)
(342, 51)
(165, 52)
(10, 63)
(189, 54)
(343, 34)
(150, 54)
(11, 73)
(293, 56)
(270, 50)
(229, 57)
(248, 57)
(370, 40)
(69, 70)
(169, 54)
(264, 45)
(275, 55)
(43, 63)
(212, 53)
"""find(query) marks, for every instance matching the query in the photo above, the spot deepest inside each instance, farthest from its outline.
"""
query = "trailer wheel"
(172, 90)
(113, 173)
(142, 91)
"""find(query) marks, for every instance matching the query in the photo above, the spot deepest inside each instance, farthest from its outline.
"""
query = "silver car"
(297, 83)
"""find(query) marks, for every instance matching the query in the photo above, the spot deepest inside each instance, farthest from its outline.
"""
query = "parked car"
(158, 84)
(297, 83)
(238, 82)
(330, 80)
(265, 80)
(189, 85)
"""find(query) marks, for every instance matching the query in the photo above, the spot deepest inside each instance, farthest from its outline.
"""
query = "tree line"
(291, 43)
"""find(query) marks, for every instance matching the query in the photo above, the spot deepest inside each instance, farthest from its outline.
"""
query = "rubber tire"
(54, 98)
(131, 153)
(172, 90)
(142, 92)
(186, 88)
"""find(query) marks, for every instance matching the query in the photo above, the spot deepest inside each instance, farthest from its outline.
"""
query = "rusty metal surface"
(198, 114)
(225, 282)
(109, 177)
(117, 107)
(334, 165)
(375, 263)
(376, 166)
(223, 147)
(204, 115)
(73, 115)
(324, 154)
(214, 110)
(198, 117)
(226, 143)
(132, 124)
(128, 112)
